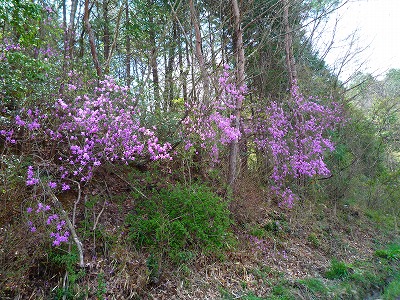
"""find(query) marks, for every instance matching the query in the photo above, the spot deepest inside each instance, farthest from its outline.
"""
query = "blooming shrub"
(59, 234)
(211, 126)
(69, 140)
(295, 138)
(76, 135)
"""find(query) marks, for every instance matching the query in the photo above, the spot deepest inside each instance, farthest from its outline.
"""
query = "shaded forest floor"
(317, 250)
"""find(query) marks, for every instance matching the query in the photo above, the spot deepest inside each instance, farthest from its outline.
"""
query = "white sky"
(378, 26)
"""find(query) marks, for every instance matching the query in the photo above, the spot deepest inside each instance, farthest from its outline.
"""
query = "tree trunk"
(169, 84)
(106, 31)
(91, 40)
(182, 72)
(71, 28)
(128, 46)
(290, 61)
(114, 44)
(199, 53)
(153, 62)
(240, 80)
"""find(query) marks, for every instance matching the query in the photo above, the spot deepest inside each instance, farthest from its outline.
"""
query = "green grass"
(338, 270)
(315, 286)
(392, 252)
(392, 291)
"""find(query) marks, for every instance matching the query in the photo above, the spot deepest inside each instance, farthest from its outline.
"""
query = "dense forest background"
(192, 150)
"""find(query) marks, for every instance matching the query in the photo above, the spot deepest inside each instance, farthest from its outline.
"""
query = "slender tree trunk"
(114, 44)
(106, 30)
(128, 45)
(169, 84)
(240, 80)
(290, 61)
(64, 22)
(81, 42)
(199, 53)
(153, 62)
(64, 13)
(182, 73)
(71, 28)
(91, 39)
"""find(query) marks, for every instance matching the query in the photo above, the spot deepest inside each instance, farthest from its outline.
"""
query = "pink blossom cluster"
(295, 138)
(8, 46)
(8, 135)
(59, 233)
(85, 131)
(211, 126)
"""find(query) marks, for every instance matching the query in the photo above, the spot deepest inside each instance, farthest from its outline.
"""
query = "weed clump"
(338, 270)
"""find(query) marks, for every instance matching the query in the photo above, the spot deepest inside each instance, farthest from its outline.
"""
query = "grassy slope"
(317, 250)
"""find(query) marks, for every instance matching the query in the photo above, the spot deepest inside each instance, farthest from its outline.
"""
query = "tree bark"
(290, 61)
(199, 53)
(106, 31)
(169, 84)
(71, 28)
(153, 61)
(182, 72)
(114, 44)
(128, 46)
(240, 80)
(91, 39)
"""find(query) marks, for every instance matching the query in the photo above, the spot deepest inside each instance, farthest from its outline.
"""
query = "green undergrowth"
(65, 263)
(279, 289)
(358, 280)
(180, 222)
(370, 277)
(392, 290)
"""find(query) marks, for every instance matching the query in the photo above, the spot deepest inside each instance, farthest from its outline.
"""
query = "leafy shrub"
(180, 219)
(392, 252)
(337, 270)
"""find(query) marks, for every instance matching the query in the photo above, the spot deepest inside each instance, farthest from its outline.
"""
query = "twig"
(78, 243)
(131, 185)
(76, 202)
(102, 210)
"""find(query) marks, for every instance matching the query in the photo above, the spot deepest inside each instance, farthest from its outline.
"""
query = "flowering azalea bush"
(211, 126)
(70, 139)
(59, 234)
(76, 135)
(295, 138)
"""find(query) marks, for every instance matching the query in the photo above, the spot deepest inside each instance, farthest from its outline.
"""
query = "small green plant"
(180, 221)
(67, 262)
(101, 286)
(313, 240)
(263, 273)
(392, 291)
(277, 227)
(337, 270)
(315, 285)
(153, 267)
(392, 252)
(251, 296)
(258, 231)
(281, 291)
